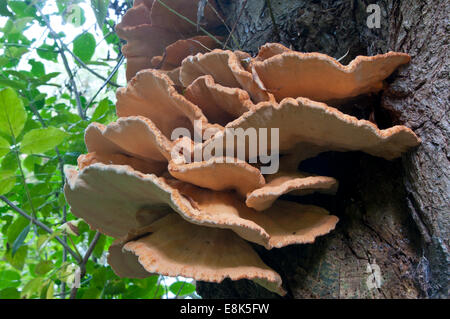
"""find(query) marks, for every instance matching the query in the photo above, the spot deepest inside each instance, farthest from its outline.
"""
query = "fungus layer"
(322, 78)
(293, 183)
(149, 27)
(193, 217)
(177, 248)
(303, 121)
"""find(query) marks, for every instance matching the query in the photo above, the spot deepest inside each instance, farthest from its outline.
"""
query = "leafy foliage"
(54, 61)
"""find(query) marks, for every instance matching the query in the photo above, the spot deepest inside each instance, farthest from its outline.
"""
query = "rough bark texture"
(392, 214)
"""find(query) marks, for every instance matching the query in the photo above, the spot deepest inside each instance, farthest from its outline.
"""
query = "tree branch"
(60, 46)
(88, 68)
(73, 292)
(41, 225)
(116, 68)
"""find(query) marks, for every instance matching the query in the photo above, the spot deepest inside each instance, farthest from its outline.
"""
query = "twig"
(190, 22)
(235, 23)
(60, 46)
(41, 225)
(179, 290)
(116, 68)
(224, 23)
(82, 265)
(88, 68)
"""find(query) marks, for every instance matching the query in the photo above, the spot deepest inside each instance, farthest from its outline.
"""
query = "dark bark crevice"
(394, 214)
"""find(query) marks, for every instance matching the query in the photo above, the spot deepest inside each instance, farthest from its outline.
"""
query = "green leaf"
(41, 140)
(9, 278)
(7, 181)
(115, 287)
(22, 8)
(30, 161)
(45, 239)
(100, 110)
(9, 293)
(12, 112)
(84, 46)
(48, 52)
(13, 83)
(99, 247)
(43, 267)
(9, 162)
(47, 77)
(4, 11)
(4, 146)
(18, 261)
(74, 14)
(20, 240)
(182, 288)
(91, 293)
(50, 290)
(100, 8)
(37, 68)
(33, 287)
(16, 228)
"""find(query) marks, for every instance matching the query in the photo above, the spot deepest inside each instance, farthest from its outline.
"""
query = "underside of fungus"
(179, 214)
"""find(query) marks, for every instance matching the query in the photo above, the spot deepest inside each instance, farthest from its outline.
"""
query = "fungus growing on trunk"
(149, 27)
(176, 217)
(278, 69)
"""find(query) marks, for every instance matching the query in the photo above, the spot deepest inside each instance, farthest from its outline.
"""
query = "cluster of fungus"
(197, 219)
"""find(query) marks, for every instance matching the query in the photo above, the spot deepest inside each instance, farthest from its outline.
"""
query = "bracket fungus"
(152, 30)
(196, 217)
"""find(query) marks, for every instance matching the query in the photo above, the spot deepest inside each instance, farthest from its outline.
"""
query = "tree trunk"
(393, 215)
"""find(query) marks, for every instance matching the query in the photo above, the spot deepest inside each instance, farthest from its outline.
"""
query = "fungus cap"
(293, 183)
(303, 121)
(323, 78)
(175, 247)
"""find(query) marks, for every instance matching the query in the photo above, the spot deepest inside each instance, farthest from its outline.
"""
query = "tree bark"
(393, 215)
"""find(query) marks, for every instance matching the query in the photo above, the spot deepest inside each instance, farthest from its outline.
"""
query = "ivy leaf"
(100, 8)
(84, 46)
(41, 140)
(12, 112)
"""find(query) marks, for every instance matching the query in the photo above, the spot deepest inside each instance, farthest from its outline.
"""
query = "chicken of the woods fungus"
(197, 218)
